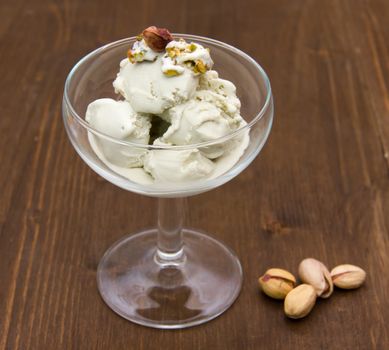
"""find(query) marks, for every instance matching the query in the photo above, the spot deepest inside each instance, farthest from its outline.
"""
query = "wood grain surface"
(320, 187)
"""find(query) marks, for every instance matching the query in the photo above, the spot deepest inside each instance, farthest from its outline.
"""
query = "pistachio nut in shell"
(277, 283)
(315, 273)
(348, 276)
(300, 301)
(157, 38)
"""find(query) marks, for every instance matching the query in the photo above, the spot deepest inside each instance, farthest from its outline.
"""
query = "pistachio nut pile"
(317, 280)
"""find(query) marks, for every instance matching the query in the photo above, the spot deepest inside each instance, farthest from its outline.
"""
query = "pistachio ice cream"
(168, 95)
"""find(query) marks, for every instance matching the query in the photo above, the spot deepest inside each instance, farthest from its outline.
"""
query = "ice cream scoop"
(117, 119)
(213, 112)
(177, 166)
(197, 121)
(149, 90)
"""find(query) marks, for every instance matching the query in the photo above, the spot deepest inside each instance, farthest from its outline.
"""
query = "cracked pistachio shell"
(348, 276)
(277, 283)
(315, 273)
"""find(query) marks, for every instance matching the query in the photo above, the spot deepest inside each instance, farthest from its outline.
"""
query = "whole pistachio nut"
(277, 283)
(300, 301)
(157, 38)
(315, 273)
(348, 276)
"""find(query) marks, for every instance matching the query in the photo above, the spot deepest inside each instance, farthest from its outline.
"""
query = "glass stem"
(170, 219)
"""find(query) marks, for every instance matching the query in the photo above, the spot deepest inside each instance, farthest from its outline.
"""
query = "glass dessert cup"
(168, 277)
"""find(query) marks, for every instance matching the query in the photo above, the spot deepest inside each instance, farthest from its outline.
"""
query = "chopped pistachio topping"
(200, 67)
(178, 55)
(190, 55)
(171, 73)
(141, 52)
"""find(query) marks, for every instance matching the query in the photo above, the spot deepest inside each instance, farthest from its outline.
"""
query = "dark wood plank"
(320, 187)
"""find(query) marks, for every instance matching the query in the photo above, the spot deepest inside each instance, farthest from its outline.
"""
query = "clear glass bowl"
(168, 277)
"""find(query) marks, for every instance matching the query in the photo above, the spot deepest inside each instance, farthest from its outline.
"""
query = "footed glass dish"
(168, 277)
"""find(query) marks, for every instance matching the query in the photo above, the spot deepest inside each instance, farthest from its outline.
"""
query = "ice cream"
(117, 119)
(172, 97)
(177, 166)
(149, 90)
(213, 112)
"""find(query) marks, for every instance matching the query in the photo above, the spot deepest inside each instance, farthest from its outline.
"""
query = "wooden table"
(320, 187)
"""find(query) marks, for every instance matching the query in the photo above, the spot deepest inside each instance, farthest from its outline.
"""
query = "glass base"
(139, 287)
